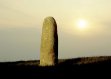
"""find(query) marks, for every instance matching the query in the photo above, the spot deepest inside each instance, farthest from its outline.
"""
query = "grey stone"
(49, 43)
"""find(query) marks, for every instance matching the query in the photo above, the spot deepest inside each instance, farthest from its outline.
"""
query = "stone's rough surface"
(49, 43)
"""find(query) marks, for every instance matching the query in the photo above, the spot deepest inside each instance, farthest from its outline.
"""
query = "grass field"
(66, 68)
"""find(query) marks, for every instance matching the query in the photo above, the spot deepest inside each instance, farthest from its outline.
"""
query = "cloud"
(15, 11)
(15, 17)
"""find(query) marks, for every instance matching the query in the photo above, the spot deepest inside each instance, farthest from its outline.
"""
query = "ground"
(66, 68)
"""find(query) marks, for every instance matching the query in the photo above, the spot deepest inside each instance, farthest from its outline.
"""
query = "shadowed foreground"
(67, 68)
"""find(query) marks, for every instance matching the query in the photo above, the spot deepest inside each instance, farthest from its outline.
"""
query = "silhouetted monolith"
(49, 43)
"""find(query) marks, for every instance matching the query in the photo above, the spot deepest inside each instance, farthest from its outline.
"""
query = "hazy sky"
(21, 23)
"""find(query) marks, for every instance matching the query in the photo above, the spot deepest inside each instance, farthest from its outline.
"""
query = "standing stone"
(49, 43)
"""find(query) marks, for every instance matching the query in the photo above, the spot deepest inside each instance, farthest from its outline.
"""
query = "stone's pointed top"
(49, 18)
(49, 22)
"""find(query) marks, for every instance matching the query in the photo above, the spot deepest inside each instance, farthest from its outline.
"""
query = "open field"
(66, 68)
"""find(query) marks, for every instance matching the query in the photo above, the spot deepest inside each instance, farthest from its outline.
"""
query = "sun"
(81, 23)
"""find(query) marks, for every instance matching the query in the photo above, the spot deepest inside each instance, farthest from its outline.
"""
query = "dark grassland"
(86, 67)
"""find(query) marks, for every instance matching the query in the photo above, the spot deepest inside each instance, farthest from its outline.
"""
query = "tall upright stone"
(49, 43)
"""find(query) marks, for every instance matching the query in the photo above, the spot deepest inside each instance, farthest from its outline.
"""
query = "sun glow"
(81, 24)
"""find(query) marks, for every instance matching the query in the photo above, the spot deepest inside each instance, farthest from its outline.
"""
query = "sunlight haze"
(21, 26)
